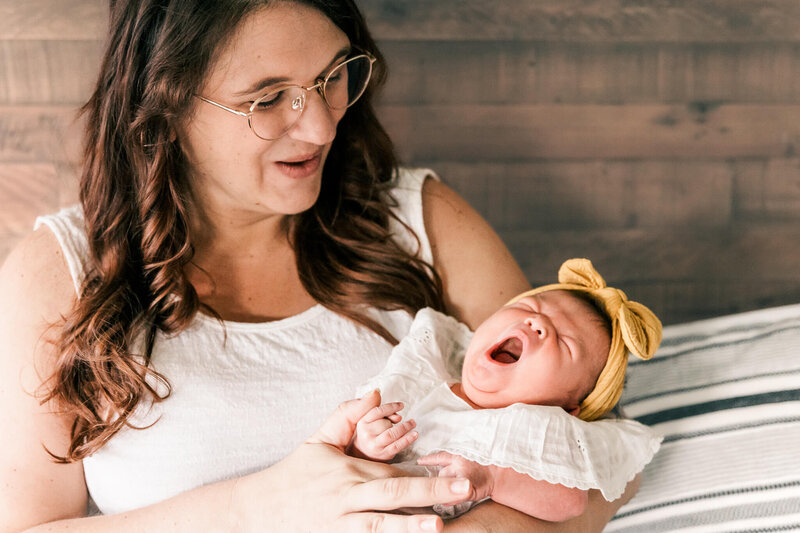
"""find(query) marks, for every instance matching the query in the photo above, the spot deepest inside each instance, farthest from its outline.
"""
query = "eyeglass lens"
(275, 113)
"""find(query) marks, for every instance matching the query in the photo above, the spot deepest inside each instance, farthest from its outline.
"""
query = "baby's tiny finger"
(394, 433)
(402, 443)
(439, 458)
(382, 411)
(394, 418)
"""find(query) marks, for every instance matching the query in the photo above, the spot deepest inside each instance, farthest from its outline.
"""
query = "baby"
(563, 345)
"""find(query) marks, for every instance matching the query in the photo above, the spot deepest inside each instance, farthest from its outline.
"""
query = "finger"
(401, 444)
(389, 523)
(438, 458)
(340, 426)
(395, 418)
(449, 471)
(393, 493)
(374, 428)
(394, 433)
(382, 411)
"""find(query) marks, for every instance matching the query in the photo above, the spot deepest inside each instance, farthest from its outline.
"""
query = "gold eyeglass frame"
(319, 87)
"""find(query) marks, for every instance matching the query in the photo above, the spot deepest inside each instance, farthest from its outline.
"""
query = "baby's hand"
(481, 477)
(380, 435)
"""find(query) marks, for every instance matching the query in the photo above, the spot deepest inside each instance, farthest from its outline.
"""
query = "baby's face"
(546, 349)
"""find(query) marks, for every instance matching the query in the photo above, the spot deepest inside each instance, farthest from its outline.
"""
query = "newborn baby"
(562, 346)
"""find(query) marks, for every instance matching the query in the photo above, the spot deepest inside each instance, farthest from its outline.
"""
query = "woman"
(243, 238)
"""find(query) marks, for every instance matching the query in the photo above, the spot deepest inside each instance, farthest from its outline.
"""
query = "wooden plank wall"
(657, 138)
(49, 55)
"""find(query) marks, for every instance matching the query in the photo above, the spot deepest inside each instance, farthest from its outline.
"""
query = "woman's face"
(235, 174)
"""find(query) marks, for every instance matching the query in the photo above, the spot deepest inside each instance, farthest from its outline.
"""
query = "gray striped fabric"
(725, 393)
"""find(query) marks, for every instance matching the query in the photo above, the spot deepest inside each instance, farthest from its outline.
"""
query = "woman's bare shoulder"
(477, 269)
(35, 276)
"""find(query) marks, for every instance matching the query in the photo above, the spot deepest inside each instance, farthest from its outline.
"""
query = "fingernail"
(460, 486)
(429, 524)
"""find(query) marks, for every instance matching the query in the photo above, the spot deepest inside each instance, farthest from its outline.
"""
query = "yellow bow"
(633, 327)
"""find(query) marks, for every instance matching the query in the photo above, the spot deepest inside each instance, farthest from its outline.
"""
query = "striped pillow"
(725, 393)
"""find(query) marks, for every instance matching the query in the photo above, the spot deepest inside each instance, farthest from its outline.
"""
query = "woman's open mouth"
(300, 168)
(507, 352)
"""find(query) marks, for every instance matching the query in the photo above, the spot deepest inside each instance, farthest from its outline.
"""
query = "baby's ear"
(575, 411)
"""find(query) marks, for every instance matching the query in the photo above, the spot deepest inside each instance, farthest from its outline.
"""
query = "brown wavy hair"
(137, 202)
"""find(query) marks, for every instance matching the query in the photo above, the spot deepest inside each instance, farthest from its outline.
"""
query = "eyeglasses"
(273, 115)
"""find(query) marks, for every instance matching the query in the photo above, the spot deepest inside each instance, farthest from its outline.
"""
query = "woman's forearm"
(491, 517)
(315, 488)
(203, 509)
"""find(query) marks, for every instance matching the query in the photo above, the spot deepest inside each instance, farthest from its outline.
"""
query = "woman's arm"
(37, 290)
(479, 276)
(316, 488)
(478, 272)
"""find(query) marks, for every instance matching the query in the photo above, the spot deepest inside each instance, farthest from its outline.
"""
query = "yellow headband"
(633, 327)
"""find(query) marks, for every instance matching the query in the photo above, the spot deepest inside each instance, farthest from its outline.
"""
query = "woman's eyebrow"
(262, 84)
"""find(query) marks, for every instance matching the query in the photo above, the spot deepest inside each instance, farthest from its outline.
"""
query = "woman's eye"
(337, 76)
(269, 101)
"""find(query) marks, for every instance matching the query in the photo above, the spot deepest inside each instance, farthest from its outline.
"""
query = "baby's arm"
(380, 434)
(546, 501)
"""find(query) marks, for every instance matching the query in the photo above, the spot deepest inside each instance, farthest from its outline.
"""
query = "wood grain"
(677, 302)
(682, 275)
(777, 192)
(543, 20)
(586, 20)
(39, 134)
(60, 20)
(762, 252)
(507, 72)
(696, 130)
(597, 194)
(27, 192)
(47, 72)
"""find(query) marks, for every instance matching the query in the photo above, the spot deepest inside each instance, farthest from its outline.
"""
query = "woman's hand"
(319, 488)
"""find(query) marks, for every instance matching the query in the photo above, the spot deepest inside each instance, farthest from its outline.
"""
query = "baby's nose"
(537, 325)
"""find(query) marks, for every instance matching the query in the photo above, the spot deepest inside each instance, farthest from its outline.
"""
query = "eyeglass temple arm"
(234, 111)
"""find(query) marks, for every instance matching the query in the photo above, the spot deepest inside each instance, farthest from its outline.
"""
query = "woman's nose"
(539, 326)
(317, 124)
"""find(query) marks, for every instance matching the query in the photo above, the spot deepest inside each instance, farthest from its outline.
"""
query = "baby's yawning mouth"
(508, 351)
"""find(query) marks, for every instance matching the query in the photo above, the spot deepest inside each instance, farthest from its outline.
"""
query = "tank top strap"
(70, 230)
(408, 195)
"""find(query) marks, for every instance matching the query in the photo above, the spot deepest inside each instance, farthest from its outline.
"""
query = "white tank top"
(241, 405)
